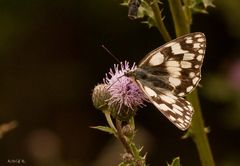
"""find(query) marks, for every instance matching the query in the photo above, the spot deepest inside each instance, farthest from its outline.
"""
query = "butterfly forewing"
(170, 72)
(179, 60)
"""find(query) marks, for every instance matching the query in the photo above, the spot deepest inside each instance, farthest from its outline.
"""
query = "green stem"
(198, 132)
(179, 19)
(187, 11)
(128, 145)
(159, 19)
(122, 138)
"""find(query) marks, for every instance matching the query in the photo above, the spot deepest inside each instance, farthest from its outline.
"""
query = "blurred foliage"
(224, 88)
(6, 127)
(50, 59)
(145, 11)
(175, 162)
(231, 15)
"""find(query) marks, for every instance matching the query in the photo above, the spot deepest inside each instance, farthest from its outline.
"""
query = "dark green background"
(51, 58)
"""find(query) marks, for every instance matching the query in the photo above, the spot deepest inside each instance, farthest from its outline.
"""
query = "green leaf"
(207, 3)
(145, 12)
(200, 6)
(175, 162)
(104, 128)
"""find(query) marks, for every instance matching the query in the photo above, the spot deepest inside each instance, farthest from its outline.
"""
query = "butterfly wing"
(171, 71)
(178, 62)
(178, 110)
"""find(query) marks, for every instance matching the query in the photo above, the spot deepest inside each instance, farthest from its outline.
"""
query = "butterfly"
(169, 73)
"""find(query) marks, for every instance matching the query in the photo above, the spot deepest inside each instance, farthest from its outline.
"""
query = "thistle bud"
(128, 131)
(99, 97)
(127, 157)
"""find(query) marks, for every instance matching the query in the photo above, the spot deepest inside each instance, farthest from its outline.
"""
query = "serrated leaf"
(199, 10)
(207, 3)
(104, 128)
(200, 6)
(175, 162)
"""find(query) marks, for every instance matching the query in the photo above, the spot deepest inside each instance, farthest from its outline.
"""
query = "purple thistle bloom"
(123, 90)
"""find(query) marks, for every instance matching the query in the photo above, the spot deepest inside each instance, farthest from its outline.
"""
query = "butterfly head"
(136, 73)
(129, 73)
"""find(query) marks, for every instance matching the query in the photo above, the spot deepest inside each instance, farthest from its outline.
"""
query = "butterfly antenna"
(110, 53)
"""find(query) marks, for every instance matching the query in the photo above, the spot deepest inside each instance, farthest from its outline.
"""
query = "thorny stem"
(159, 19)
(122, 138)
(127, 145)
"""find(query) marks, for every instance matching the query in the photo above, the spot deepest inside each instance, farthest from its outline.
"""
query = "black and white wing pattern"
(170, 72)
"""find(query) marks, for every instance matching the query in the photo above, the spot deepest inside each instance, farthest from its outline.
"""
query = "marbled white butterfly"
(170, 72)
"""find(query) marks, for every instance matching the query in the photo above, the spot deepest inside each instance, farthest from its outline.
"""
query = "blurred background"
(51, 59)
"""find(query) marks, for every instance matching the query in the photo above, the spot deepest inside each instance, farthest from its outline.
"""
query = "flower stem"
(129, 145)
(187, 12)
(197, 131)
(179, 19)
(159, 19)
(122, 138)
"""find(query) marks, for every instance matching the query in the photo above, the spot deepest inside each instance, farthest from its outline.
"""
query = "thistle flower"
(126, 95)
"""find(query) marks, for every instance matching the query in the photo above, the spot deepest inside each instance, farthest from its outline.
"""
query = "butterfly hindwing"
(178, 110)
